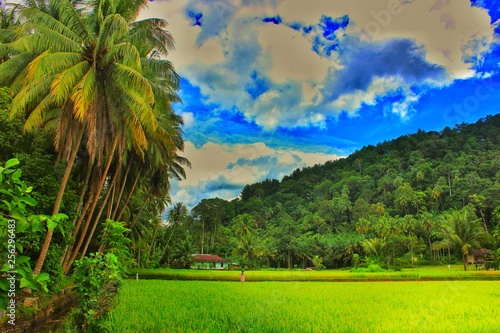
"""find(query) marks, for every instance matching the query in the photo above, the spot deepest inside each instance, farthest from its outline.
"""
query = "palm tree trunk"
(120, 194)
(79, 207)
(202, 235)
(153, 241)
(113, 185)
(92, 208)
(430, 247)
(110, 206)
(140, 211)
(96, 220)
(57, 203)
(168, 241)
(128, 198)
(69, 251)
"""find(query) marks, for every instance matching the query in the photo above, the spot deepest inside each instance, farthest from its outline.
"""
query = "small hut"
(209, 261)
(479, 257)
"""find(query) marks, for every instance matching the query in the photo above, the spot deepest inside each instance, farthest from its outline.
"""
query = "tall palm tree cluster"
(96, 79)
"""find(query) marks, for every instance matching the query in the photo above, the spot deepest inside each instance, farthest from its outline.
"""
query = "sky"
(269, 86)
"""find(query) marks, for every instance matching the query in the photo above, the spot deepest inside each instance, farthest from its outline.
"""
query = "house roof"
(480, 252)
(208, 258)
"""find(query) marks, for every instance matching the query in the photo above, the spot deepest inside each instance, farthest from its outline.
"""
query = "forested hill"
(429, 195)
(425, 171)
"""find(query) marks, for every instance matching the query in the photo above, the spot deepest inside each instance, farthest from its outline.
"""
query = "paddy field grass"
(385, 306)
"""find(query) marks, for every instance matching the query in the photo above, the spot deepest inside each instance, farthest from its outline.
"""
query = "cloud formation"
(319, 58)
(222, 170)
(265, 81)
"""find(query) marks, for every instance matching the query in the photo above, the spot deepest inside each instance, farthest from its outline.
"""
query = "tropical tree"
(249, 249)
(177, 214)
(463, 230)
(94, 79)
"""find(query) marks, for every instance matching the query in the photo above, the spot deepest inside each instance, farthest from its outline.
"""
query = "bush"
(16, 226)
(372, 268)
(97, 280)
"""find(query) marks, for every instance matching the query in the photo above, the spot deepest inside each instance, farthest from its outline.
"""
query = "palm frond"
(65, 81)
(71, 18)
(36, 117)
(84, 93)
(10, 69)
(124, 53)
(132, 79)
(53, 63)
(115, 28)
(32, 93)
(150, 35)
(40, 19)
(47, 39)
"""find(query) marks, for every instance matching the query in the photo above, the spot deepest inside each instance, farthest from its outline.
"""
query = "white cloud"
(233, 42)
(221, 170)
(188, 118)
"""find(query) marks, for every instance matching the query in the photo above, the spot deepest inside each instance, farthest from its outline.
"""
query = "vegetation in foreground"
(201, 306)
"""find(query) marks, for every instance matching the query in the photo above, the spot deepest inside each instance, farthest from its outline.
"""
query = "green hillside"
(424, 197)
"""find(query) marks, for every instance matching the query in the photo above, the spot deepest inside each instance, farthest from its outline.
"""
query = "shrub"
(372, 268)
(97, 279)
(15, 227)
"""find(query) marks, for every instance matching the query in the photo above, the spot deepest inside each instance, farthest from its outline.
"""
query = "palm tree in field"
(176, 215)
(243, 225)
(93, 76)
(462, 229)
(250, 248)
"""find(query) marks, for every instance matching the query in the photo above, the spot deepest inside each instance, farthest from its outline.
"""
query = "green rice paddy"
(214, 306)
(455, 272)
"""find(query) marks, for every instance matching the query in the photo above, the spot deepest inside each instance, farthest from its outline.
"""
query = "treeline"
(424, 197)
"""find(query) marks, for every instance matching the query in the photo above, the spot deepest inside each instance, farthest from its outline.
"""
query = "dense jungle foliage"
(420, 198)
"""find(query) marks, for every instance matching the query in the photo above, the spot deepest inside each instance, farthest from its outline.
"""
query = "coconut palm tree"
(177, 214)
(463, 230)
(93, 76)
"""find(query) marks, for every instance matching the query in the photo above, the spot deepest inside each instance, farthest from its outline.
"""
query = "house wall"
(209, 265)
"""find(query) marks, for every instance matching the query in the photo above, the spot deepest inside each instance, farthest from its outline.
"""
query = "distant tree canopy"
(389, 203)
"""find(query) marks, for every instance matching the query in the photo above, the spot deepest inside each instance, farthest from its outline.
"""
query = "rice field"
(207, 306)
(455, 272)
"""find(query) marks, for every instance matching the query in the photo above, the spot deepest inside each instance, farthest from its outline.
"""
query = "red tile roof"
(480, 252)
(208, 258)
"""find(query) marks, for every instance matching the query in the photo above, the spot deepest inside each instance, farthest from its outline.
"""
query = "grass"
(455, 272)
(206, 306)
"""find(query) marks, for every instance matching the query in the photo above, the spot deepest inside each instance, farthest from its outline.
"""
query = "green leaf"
(22, 225)
(36, 225)
(51, 224)
(22, 259)
(6, 192)
(17, 174)
(7, 204)
(4, 301)
(12, 162)
(16, 214)
(4, 285)
(60, 217)
(43, 277)
(61, 229)
(28, 283)
(28, 200)
(29, 189)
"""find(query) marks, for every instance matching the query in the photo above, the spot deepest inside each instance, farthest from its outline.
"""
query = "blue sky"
(269, 86)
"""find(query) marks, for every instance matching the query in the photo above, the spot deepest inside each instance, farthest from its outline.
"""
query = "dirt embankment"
(49, 318)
